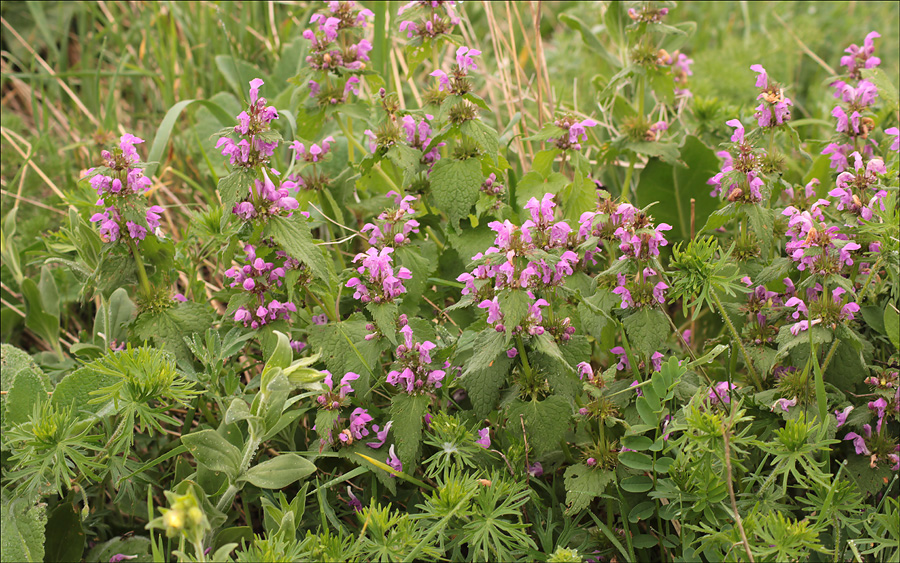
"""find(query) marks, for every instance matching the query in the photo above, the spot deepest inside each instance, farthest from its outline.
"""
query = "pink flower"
(484, 438)
(784, 404)
(393, 460)
(841, 416)
(721, 390)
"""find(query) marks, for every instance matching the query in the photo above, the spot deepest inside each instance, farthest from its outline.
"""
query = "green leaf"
(325, 421)
(213, 451)
(239, 73)
(75, 389)
(637, 442)
(533, 185)
(406, 159)
(545, 422)
(455, 186)
(636, 460)
(170, 121)
(26, 391)
(762, 222)
(14, 362)
(168, 327)
(408, 415)
(488, 345)
(237, 411)
(665, 151)
(385, 316)
(674, 186)
(236, 186)
(786, 341)
(514, 304)
(584, 484)
(885, 85)
(484, 136)
(647, 329)
(418, 258)
(663, 85)
(66, 541)
(483, 384)
(642, 511)
(892, 325)
(292, 233)
(21, 529)
(637, 484)
(133, 545)
(42, 307)
(344, 348)
(279, 472)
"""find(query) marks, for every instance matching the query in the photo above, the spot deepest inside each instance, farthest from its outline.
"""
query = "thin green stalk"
(830, 354)
(737, 338)
(142, 273)
(524, 356)
(352, 142)
(626, 185)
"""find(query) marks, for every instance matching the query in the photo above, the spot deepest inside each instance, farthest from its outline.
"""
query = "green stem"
(524, 356)
(327, 310)
(868, 283)
(626, 185)
(142, 273)
(830, 354)
(737, 338)
(352, 142)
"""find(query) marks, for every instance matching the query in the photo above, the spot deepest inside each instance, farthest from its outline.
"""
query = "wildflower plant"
(419, 299)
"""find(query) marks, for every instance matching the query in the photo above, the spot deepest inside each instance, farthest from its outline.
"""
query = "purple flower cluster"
(418, 136)
(379, 284)
(333, 399)
(819, 309)
(434, 18)
(773, 109)
(255, 146)
(815, 245)
(457, 82)
(393, 226)
(761, 305)
(859, 58)
(413, 372)
(257, 277)
(853, 188)
(265, 200)
(121, 186)
(511, 264)
(327, 52)
(647, 14)
(739, 171)
(575, 132)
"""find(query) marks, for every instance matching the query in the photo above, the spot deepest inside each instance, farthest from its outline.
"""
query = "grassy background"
(74, 76)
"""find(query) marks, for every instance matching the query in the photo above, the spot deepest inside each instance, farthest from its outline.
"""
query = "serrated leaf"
(584, 484)
(21, 529)
(647, 329)
(484, 136)
(545, 422)
(405, 159)
(418, 258)
(786, 341)
(514, 304)
(213, 451)
(279, 472)
(885, 86)
(236, 186)
(168, 327)
(455, 186)
(292, 233)
(385, 316)
(762, 221)
(408, 416)
(483, 385)
(344, 349)
(533, 185)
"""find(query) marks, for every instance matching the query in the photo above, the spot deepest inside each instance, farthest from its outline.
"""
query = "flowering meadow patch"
(396, 295)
